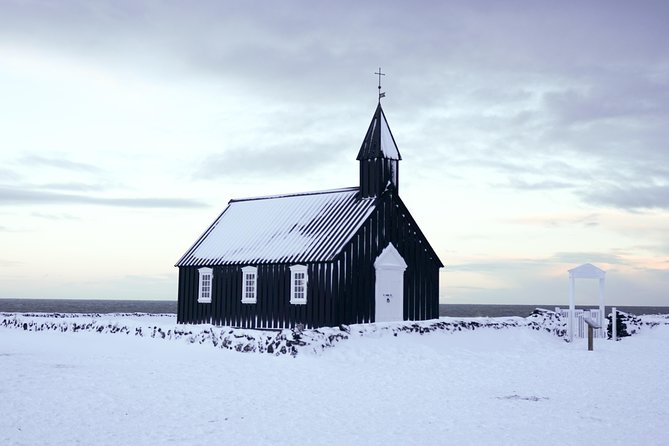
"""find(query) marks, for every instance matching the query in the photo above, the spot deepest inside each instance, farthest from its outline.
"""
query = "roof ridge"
(297, 194)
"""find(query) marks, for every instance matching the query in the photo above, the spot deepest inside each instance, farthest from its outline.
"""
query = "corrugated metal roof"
(308, 227)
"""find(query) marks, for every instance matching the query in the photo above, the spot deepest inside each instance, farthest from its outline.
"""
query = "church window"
(204, 285)
(249, 284)
(298, 284)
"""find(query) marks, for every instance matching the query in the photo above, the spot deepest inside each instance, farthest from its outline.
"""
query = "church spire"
(379, 157)
(379, 141)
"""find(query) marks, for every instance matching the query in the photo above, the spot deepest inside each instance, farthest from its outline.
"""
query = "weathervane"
(381, 95)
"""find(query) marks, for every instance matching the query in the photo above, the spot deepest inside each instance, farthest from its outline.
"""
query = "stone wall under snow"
(281, 342)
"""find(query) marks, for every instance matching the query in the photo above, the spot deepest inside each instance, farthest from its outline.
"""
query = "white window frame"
(295, 271)
(249, 293)
(205, 285)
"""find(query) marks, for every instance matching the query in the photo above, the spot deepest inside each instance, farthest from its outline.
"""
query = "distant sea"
(87, 306)
(170, 306)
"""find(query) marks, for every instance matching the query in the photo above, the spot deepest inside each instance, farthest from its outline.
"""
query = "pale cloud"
(516, 183)
(54, 216)
(9, 175)
(505, 265)
(578, 257)
(560, 220)
(275, 161)
(71, 186)
(497, 265)
(14, 196)
(631, 197)
(59, 163)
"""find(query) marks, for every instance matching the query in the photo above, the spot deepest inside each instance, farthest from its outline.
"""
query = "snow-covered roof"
(307, 227)
(587, 271)
(379, 141)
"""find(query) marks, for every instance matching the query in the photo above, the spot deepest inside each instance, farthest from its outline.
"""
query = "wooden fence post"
(592, 324)
(614, 324)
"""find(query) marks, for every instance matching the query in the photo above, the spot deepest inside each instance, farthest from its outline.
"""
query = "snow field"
(508, 386)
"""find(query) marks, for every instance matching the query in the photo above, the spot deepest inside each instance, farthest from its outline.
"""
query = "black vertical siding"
(188, 308)
(341, 291)
(181, 296)
(272, 308)
(390, 222)
(375, 174)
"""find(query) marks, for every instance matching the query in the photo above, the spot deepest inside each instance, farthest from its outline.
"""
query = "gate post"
(592, 324)
(614, 324)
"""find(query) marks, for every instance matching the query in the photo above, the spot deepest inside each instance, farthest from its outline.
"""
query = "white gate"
(580, 327)
(585, 271)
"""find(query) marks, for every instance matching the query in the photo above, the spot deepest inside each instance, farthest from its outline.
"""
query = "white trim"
(299, 280)
(205, 285)
(249, 285)
(390, 258)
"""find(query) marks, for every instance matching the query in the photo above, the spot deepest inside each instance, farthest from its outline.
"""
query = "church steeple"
(379, 157)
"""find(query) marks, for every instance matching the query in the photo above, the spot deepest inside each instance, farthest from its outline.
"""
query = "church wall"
(188, 309)
(272, 309)
(338, 292)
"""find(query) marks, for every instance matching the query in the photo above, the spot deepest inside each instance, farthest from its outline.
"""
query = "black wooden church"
(343, 256)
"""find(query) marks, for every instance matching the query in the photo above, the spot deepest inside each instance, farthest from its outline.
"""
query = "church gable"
(390, 223)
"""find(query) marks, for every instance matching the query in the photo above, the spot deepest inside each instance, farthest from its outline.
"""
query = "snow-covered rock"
(628, 324)
(287, 341)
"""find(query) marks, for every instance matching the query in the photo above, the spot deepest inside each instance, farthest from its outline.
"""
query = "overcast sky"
(534, 135)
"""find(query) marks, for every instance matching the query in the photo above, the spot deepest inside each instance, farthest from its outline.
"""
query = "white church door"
(389, 288)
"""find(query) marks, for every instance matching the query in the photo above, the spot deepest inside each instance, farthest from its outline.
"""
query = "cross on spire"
(381, 95)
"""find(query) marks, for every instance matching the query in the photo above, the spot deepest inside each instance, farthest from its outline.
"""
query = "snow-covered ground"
(514, 386)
